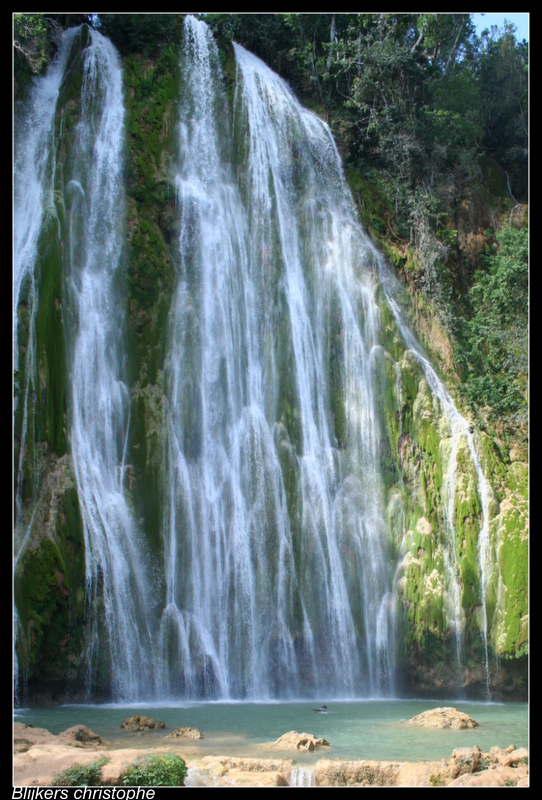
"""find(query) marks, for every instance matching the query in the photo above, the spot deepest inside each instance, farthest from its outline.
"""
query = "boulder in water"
(139, 722)
(299, 741)
(185, 733)
(446, 717)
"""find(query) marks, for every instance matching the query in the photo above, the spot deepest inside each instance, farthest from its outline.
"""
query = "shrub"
(82, 774)
(164, 769)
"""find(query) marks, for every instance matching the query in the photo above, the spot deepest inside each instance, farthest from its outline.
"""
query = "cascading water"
(33, 202)
(277, 571)
(267, 594)
(34, 167)
(117, 581)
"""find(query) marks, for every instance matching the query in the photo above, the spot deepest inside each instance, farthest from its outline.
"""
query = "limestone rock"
(509, 757)
(299, 741)
(42, 763)
(139, 722)
(231, 771)
(226, 763)
(79, 736)
(185, 733)
(446, 717)
(466, 759)
(469, 766)
(25, 737)
(494, 776)
(337, 772)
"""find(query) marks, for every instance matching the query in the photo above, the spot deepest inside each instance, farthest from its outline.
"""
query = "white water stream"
(278, 565)
(261, 604)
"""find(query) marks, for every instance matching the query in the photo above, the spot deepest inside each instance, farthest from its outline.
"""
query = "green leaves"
(82, 774)
(163, 769)
(32, 38)
(141, 33)
(496, 353)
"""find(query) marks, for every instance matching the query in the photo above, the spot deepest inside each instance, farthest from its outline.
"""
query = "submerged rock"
(299, 741)
(139, 722)
(185, 733)
(446, 717)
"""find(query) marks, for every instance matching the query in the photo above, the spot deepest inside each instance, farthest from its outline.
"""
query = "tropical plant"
(162, 769)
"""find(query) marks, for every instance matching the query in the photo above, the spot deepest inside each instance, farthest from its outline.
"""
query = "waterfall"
(115, 564)
(277, 574)
(33, 203)
(276, 570)
(302, 776)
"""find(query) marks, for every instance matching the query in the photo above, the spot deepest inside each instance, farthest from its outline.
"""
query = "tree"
(504, 102)
(495, 347)
(33, 36)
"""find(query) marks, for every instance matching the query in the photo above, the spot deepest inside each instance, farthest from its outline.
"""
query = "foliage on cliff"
(495, 346)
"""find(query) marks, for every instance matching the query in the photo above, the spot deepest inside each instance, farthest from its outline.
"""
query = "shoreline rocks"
(41, 756)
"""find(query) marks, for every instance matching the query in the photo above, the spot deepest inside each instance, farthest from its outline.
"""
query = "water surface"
(365, 729)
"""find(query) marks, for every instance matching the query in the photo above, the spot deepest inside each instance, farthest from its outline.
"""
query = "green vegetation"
(32, 38)
(82, 774)
(35, 40)
(494, 348)
(146, 34)
(163, 769)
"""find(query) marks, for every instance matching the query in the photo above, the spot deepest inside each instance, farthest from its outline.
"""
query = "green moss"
(151, 97)
(336, 374)
(38, 597)
(52, 390)
(49, 592)
(144, 475)
(375, 207)
(513, 558)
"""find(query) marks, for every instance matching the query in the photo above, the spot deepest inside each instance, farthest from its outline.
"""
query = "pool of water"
(365, 729)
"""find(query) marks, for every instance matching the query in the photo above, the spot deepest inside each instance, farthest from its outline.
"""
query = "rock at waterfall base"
(139, 722)
(446, 717)
(185, 733)
(299, 741)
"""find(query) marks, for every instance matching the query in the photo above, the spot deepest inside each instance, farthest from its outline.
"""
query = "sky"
(521, 21)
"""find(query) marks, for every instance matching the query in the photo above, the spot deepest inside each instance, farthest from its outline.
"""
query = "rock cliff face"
(453, 502)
